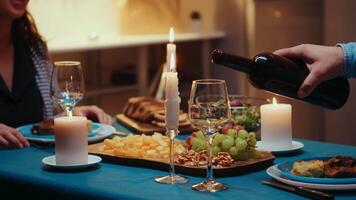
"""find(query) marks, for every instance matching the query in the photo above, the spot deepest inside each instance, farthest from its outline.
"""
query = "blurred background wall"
(251, 26)
(339, 26)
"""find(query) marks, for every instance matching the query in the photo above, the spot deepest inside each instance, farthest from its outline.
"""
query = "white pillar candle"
(276, 125)
(71, 143)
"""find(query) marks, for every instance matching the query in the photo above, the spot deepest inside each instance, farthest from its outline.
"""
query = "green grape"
(229, 137)
(215, 150)
(251, 153)
(243, 134)
(251, 141)
(196, 147)
(240, 144)
(233, 151)
(232, 132)
(200, 135)
(227, 143)
(202, 146)
(252, 135)
(195, 142)
(242, 155)
(218, 138)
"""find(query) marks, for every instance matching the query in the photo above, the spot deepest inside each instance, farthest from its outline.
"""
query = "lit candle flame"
(274, 101)
(171, 35)
(172, 64)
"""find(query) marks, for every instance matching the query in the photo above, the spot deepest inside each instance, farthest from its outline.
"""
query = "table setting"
(224, 146)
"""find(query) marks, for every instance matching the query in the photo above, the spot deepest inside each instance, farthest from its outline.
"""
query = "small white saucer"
(294, 147)
(51, 162)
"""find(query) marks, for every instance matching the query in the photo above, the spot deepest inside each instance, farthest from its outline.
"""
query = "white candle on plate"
(172, 93)
(276, 125)
(71, 143)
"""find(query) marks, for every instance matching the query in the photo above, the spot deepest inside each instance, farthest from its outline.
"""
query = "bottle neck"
(232, 61)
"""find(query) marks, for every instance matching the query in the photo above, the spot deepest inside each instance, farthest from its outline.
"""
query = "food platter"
(238, 168)
(99, 132)
(286, 167)
(275, 173)
(139, 127)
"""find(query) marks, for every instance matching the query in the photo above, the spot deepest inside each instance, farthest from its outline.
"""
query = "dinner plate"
(276, 174)
(50, 161)
(286, 167)
(99, 132)
(295, 146)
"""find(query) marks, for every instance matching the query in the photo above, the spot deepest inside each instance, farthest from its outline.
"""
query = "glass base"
(172, 179)
(210, 186)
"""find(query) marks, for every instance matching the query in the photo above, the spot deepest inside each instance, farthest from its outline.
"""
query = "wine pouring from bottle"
(284, 76)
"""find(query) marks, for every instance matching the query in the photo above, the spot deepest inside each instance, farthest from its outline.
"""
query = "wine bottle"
(283, 76)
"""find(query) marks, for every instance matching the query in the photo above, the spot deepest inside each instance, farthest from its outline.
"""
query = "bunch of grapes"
(240, 144)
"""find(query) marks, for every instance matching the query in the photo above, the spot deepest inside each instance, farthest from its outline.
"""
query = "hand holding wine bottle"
(321, 81)
(324, 63)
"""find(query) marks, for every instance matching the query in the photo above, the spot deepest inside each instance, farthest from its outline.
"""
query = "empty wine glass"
(209, 108)
(67, 84)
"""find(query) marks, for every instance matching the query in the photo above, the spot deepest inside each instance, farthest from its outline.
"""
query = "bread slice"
(145, 110)
(150, 110)
(133, 103)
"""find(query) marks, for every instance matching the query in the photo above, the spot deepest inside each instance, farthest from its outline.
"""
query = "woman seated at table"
(25, 76)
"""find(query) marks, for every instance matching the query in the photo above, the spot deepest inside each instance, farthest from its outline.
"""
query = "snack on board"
(246, 115)
(150, 110)
(46, 127)
(341, 167)
(237, 142)
(336, 167)
(192, 158)
(141, 146)
(310, 168)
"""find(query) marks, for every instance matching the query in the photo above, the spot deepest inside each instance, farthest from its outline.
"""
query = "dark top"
(23, 105)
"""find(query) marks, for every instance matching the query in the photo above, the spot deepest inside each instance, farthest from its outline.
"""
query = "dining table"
(22, 175)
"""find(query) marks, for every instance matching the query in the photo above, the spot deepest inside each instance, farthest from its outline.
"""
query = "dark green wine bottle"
(283, 76)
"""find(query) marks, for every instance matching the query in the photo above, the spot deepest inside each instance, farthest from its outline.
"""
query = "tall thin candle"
(172, 93)
(171, 51)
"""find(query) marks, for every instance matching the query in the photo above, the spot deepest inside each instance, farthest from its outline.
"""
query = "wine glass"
(67, 84)
(209, 108)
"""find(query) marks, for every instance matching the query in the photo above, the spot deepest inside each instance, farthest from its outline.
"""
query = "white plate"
(51, 162)
(275, 173)
(100, 133)
(294, 147)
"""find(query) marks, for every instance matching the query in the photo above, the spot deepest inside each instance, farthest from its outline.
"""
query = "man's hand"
(93, 111)
(324, 63)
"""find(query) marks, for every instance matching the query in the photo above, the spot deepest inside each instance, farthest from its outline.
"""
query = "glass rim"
(209, 81)
(67, 63)
(241, 96)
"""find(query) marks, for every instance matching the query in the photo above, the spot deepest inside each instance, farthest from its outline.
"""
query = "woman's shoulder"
(41, 59)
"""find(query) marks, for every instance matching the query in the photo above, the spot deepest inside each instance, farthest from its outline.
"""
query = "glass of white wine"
(209, 108)
(67, 84)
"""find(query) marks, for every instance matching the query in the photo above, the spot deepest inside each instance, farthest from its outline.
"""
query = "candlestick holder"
(172, 178)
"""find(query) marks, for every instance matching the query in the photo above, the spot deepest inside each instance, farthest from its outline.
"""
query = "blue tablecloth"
(22, 169)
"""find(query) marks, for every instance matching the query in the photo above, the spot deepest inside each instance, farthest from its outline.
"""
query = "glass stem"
(209, 172)
(69, 112)
(171, 135)
(171, 159)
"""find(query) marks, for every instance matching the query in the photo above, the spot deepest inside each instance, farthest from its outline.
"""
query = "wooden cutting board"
(146, 128)
(238, 168)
